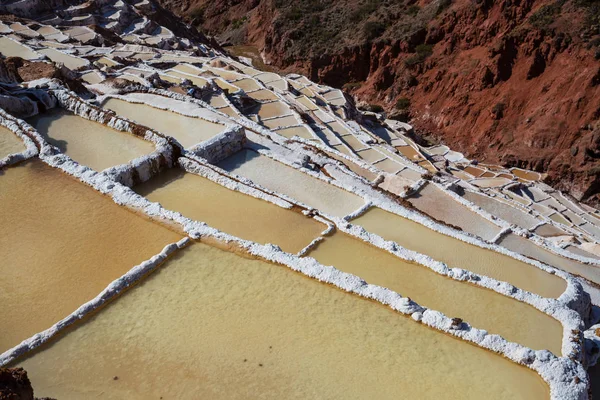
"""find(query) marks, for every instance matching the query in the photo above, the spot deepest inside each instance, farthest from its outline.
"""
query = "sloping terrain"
(510, 82)
(280, 207)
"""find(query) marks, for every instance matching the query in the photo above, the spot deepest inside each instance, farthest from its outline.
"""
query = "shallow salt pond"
(280, 178)
(65, 244)
(301, 131)
(246, 84)
(87, 142)
(527, 175)
(521, 245)
(270, 110)
(10, 143)
(188, 131)
(232, 212)
(409, 152)
(290, 120)
(483, 308)
(502, 210)
(435, 202)
(11, 48)
(210, 324)
(69, 61)
(458, 254)
(262, 94)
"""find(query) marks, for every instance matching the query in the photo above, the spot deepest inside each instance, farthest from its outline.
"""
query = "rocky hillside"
(514, 82)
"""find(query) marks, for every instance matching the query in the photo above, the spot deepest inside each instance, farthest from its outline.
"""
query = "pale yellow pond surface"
(232, 212)
(66, 244)
(12, 48)
(69, 61)
(458, 254)
(526, 247)
(435, 202)
(482, 308)
(301, 131)
(212, 325)
(502, 210)
(87, 142)
(188, 131)
(280, 178)
(10, 143)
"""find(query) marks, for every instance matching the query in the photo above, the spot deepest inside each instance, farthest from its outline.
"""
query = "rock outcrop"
(15, 385)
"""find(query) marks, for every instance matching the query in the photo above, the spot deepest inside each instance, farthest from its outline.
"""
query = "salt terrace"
(223, 227)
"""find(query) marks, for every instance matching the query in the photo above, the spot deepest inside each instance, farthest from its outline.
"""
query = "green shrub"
(498, 110)
(237, 23)
(365, 10)
(422, 51)
(546, 15)
(294, 14)
(413, 10)
(403, 103)
(374, 29)
(351, 86)
(376, 108)
(197, 14)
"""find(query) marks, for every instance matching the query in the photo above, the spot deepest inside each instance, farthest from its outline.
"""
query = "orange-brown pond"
(232, 212)
(9, 143)
(63, 244)
(210, 324)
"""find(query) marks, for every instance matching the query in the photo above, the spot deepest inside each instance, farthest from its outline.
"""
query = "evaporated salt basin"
(286, 180)
(483, 308)
(187, 130)
(10, 143)
(459, 254)
(62, 244)
(233, 212)
(521, 245)
(12, 48)
(433, 201)
(212, 325)
(87, 142)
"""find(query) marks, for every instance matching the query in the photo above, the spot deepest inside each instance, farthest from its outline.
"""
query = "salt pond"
(480, 307)
(52, 262)
(210, 324)
(286, 180)
(459, 254)
(233, 212)
(87, 142)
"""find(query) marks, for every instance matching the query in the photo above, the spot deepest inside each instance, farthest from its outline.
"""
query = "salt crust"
(574, 296)
(566, 376)
(13, 125)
